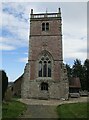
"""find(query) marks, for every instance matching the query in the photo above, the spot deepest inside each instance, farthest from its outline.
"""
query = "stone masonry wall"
(25, 82)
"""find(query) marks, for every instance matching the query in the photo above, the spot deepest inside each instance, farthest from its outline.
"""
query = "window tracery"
(45, 65)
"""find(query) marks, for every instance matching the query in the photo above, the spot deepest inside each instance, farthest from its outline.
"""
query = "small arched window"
(44, 86)
(45, 65)
(47, 26)
(43, 26)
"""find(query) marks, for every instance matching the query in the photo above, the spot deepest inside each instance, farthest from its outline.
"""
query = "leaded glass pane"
(45, 69)
(40, 69)
(49, 69)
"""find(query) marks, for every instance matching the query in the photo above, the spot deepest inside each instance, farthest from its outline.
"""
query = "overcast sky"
(15, 32)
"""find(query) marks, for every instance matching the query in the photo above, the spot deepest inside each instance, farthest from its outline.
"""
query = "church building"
(45, 75)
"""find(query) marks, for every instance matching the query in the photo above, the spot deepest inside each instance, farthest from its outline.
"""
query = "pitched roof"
(19, 79)
(74, 82)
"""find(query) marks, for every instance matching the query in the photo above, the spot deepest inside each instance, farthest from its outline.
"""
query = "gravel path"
(40, 111)
(46, 108)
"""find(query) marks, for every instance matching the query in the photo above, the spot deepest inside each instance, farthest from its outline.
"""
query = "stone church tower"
(45, 76)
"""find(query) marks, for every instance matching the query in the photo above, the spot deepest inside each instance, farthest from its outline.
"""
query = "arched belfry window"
(45, 26)
(45, 66)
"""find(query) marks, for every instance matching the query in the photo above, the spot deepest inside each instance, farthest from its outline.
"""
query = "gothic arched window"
(45, 66)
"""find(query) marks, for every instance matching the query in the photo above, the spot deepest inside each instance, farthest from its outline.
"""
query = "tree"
(81, 71)
(78, 71)
(77, 68)
(86, 71)
(4, 80)
(69, 71)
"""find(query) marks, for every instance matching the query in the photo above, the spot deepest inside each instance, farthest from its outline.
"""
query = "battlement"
(45, 15)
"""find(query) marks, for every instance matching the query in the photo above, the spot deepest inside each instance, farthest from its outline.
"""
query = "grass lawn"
(12, 109)
(73, 110)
